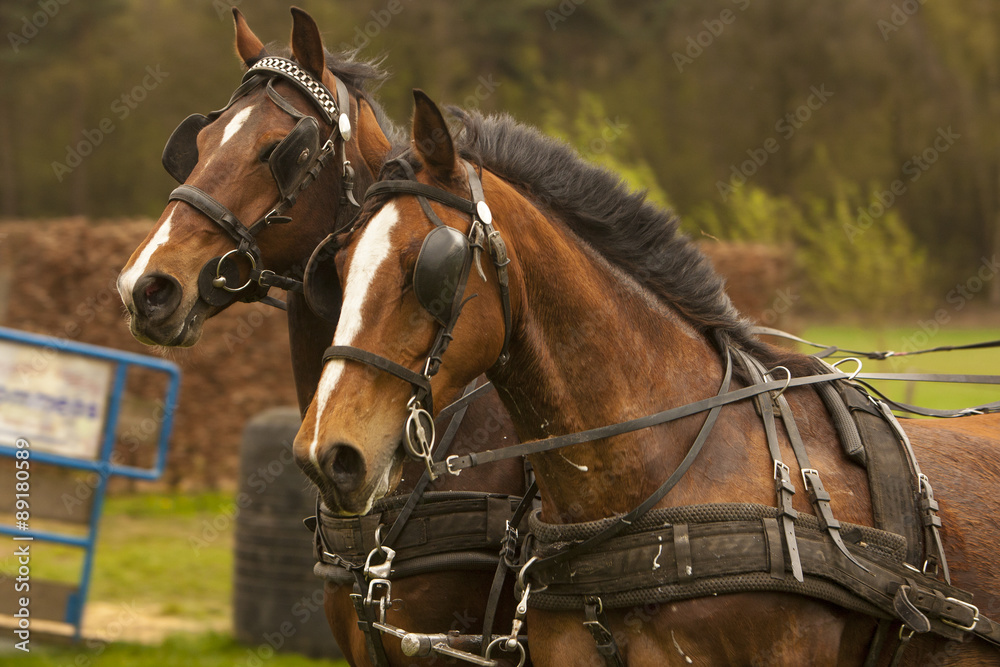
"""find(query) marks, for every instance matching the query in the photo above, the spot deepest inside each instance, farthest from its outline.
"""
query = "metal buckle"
(508, 547)
(924, 483)
(384, 602)
(448, 463)
(967, 605)
(418, 444)
(783, 467)
(805, 479)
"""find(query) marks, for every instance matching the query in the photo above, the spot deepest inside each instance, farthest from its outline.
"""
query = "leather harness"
(699, 550)
(888, 572)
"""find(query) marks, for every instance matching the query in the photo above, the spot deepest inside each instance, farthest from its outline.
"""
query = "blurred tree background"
(861, 134)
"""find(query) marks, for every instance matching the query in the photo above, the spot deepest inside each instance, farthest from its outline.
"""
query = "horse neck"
(592, 347)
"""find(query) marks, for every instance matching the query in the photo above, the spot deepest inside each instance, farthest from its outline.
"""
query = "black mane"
(617, 222)
(620, 224)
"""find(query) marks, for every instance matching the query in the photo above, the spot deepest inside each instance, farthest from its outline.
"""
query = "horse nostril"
(345, 466)
(156, 296)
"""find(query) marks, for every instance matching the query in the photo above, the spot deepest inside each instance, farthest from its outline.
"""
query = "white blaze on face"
(128, 278)
(234, 125)
(372, 250)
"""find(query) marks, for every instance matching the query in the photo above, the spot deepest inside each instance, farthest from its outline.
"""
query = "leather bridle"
(419, 428)
(219, 274)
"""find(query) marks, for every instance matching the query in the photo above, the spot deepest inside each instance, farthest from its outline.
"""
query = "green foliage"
(570, 68)
(877, 270)
(605, 140)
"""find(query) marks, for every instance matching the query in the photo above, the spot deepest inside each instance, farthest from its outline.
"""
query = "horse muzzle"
(157, 316)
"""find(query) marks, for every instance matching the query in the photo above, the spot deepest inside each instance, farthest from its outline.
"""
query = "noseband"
(440, 275)
(295, 164)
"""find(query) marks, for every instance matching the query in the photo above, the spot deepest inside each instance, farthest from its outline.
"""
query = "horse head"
(246, 170)
(413, 280)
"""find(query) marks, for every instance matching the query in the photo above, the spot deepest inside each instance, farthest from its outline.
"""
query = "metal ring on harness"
(220, 280)
(854, 359)
(418, 424)
(502, 643)
(788, 379)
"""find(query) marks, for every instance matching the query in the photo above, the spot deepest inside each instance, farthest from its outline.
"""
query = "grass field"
(926, 394)
(150, 585)
(188, 650)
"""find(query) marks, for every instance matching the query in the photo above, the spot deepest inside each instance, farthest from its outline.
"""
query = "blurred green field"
(925, 394)
(207, 650)
(166, 563)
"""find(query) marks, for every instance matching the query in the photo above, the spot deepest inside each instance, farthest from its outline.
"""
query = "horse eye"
(265, 154)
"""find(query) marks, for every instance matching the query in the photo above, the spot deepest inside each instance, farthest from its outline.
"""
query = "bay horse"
(229, 156)
(595, 310)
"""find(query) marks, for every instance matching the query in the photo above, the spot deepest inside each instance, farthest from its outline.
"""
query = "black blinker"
(180, 154)
(441, 271)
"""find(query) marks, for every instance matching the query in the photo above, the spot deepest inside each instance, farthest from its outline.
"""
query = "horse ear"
(431, 136)
(307, 44)
(371, 140)
(248, 47)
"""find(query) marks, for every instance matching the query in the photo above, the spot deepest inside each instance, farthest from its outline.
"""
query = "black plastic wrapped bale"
(277, 600)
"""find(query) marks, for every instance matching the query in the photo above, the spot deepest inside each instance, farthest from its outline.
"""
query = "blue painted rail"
(104, 465)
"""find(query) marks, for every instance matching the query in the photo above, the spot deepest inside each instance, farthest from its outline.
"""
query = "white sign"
(55, 400)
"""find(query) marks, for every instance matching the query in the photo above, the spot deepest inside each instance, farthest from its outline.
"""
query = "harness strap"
(832, 349)
(623, 521)
(389, 366)
(783, 485)
(928, 506)
(216, 212)
(418, 490)
(506, 552)
(985, 408)
(600, 629)
(405, 187)
(454, 464)
(373, 639)
(818, 496)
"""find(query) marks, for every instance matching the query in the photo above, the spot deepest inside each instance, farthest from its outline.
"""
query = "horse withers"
(586, 308)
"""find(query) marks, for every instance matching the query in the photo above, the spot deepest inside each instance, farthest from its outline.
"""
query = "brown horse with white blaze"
(614, 315)
(229, 158)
